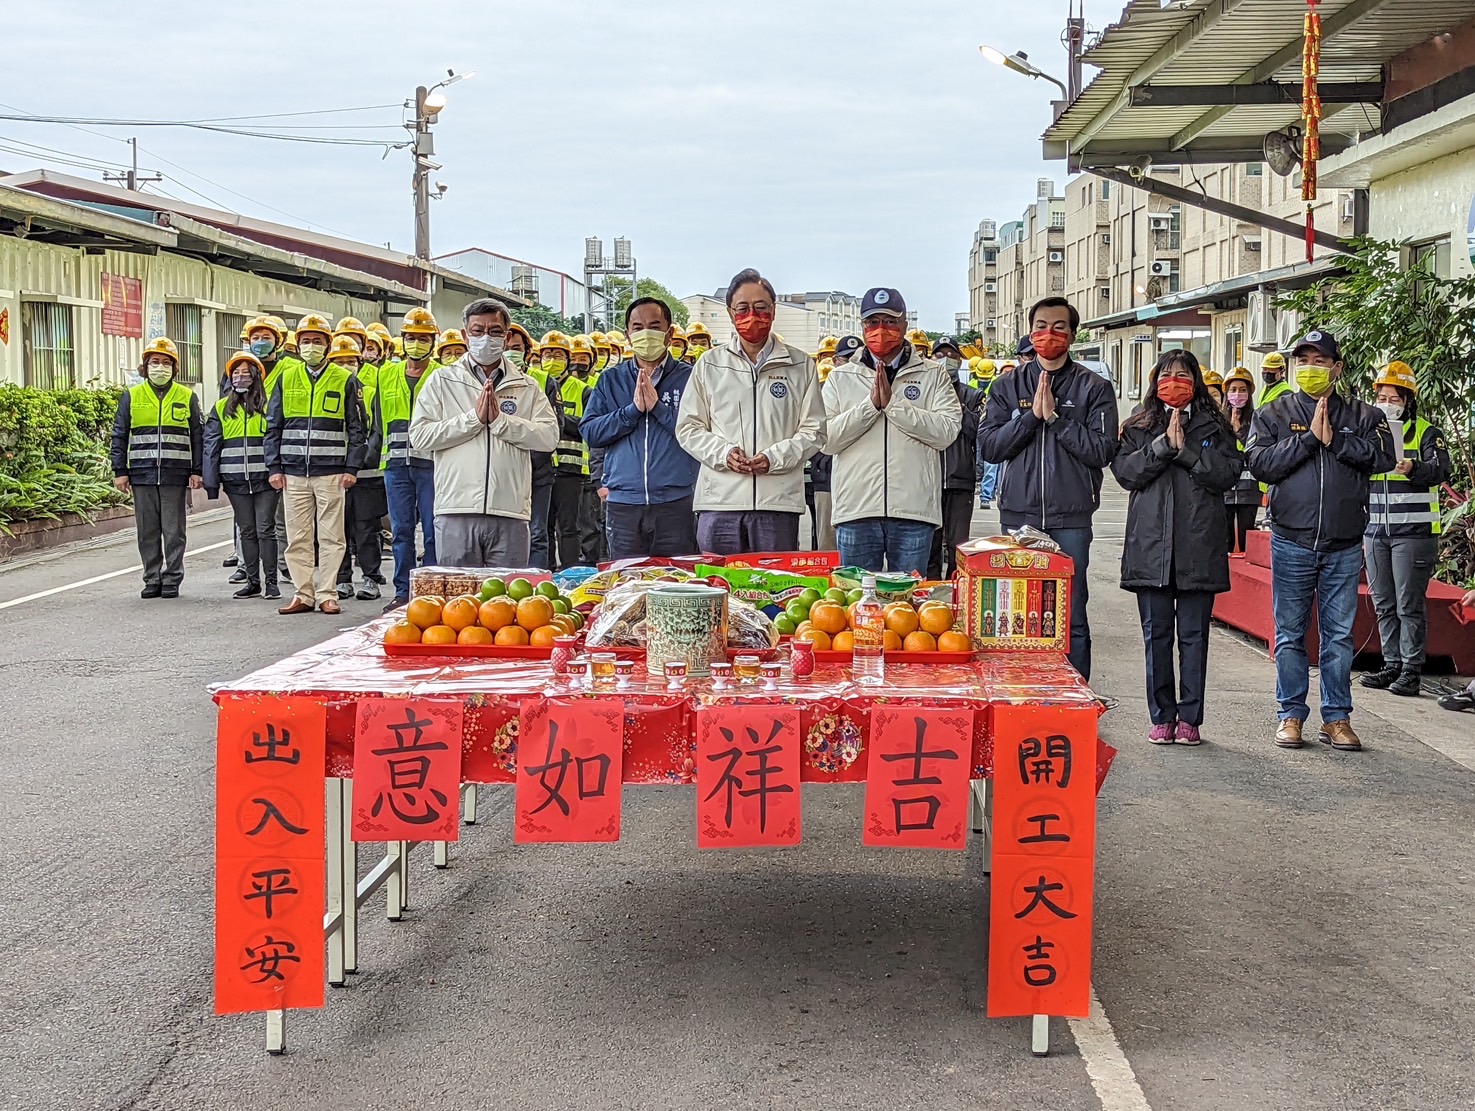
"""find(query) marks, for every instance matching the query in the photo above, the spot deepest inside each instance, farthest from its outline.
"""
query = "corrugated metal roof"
(1214, 42)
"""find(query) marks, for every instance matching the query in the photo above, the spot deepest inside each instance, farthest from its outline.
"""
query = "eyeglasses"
(476, 331)
(756, 306)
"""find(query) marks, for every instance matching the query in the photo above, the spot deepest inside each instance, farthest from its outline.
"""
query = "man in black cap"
(890, 413)
(1317, 452)
(1052, 423)
(847, 349)
(959, 464)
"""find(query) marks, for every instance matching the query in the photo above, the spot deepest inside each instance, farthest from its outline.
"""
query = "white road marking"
(103, 578)
(1107, 1066)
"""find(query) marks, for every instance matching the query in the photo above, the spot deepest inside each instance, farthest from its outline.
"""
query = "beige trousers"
(314, 509)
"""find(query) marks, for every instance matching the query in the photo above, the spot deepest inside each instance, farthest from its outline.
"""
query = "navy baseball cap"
(1024, 347)
(1324, 342)
(848, 346)
(882, 301)
(946, 341)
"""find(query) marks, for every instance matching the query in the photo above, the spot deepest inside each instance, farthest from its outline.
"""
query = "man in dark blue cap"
(1317, 451)
(847, 349)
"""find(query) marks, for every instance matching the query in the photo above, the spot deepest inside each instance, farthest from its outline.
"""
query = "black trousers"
(592, 544)
(366, 504)
(563, 520)
(1170, 616)
(158, 513)
(256, 523)
(957, 522)
(651, 530)
(1241, 521)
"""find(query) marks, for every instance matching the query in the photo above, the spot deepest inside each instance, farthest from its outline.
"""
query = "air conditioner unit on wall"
(1106, 238)
(1261, 318)
(992, 323)
(991, 287)
(1159, 223)
(1057, 256)
(1160, 269)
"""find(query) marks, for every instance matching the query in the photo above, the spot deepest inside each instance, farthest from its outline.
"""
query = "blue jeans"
(1300, 577)
(411, 495)
(988, 478)
(905, 546)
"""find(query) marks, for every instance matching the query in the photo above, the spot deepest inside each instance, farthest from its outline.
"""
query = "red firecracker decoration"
(1311, 119)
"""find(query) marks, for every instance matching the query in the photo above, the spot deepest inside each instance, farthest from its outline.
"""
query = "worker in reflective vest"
(570, 458)
(235, 459)
(1273, 374)
(157, 449)
(1401, 545)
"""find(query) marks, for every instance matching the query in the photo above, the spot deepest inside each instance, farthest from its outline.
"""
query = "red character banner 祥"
(570, 771)
(407, 770)
(748, 776)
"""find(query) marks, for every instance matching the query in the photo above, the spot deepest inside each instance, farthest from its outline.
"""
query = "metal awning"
(42, 219)
(1296, 276)
(1207, 80)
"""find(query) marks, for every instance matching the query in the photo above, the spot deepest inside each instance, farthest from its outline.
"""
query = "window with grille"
(49, 355)
(182, 325)
(1175, 229)
(228, 330)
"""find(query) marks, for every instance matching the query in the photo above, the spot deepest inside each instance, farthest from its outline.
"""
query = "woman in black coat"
(1177, 458)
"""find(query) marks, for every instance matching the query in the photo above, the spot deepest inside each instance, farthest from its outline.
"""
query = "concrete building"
(565, 295)
(983, 283)
(803, 319)
(1030, 265)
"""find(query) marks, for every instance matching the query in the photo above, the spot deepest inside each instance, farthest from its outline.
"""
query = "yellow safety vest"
(1390, 506)
(158, 433)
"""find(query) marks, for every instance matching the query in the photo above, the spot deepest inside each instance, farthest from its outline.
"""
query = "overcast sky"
(833, 144)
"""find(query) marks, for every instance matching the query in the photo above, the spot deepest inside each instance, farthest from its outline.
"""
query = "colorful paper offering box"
(1014, 598)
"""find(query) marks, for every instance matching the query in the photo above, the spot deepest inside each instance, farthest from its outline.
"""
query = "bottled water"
(869, 664)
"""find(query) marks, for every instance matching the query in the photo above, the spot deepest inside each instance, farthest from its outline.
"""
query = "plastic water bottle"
(868, 663)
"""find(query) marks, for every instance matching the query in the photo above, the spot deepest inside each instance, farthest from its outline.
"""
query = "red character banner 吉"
(1044, 823)
(270, 854)
(407, 770)
(917, 779)
(748, 776)
(570, 771)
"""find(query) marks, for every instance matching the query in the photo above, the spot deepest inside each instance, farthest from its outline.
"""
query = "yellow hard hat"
(374, 328)
(1007, 364)
(418, 322)
(312, 322)
(351, 326)
(343, 347)
(161, 345)
(626, 351)
(1213, 378)
(451, 337)
(278, 323)
(678, 333)
(1240, 374)
(986, 366)
(245, 331)
(1273, 361)
(599, 340)
(615, 336)
(290, 342)
(824, 365)
(1398, 374)
(271, 323)
(828, 344)
(245, 357)
(399, 347)
(581, 345)
(525, 334)
(698, 329)
(555, 340)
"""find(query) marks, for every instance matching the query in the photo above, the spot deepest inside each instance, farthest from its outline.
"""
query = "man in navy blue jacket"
(632, 415)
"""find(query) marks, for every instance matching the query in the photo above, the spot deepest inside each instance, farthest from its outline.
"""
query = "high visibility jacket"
(235, 451)
(1408, 505)
(157, 438)
(315, 426)
(274, 375)
(394, 403)
(1280, 389)
(368, 378)
(572, 454)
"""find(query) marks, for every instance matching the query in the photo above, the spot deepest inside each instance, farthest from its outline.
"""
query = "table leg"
(468, 803)
(350, 853)
(394, 886)
(442, 854)
(276, 1032)
(981, 817)
(337, 904)
(1039, 1041)
(404, 873)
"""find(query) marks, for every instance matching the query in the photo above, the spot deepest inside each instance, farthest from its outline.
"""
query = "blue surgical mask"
(261, 348)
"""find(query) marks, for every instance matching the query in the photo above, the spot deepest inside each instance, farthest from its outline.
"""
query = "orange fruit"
(802, 628)
(512, 636)
(850, 614)
(497, 614)
(459, 613)
(821, 641)
(402, 632)
(891, 642)
(919, 642)
(935, 618)
(843, 641)
(438, 634)
(901, 619)
(474, 634)
(951, 641)
(565, 624)
(828, 617)
(543, 637)
(534, 613)
(424, 612)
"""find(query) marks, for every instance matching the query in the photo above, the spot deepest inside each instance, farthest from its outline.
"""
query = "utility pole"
(131, 179)
(423, 148)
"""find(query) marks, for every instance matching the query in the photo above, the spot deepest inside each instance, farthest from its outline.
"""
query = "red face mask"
(1175, 392)
(883, 340)
(1048, 344)
(753, 326)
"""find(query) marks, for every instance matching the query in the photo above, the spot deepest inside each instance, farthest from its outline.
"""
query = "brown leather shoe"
(331, 606)
(296, 605)
(1339, 735)
(1289, 734)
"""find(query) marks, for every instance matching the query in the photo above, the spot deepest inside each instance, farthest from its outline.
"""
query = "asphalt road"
(1274, 930)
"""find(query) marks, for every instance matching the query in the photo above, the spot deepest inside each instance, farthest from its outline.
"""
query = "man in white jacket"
(751, 415)
(889, 412)
(480, 418)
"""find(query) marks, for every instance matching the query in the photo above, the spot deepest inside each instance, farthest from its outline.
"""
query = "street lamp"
(428, 104)
(1019, 62)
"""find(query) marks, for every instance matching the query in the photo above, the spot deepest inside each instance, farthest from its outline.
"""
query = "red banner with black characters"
(917, 779)
(570, 771)
(407, 770)
(748, 776)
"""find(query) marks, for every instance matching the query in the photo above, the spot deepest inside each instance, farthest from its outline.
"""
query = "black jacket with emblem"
(1319, 493)
(1175, 515)
(960, 460)
(1051, 474)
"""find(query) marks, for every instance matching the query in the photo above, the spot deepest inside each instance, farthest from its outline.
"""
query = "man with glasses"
(480, 419)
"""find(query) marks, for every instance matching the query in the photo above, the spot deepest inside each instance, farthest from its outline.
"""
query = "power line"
(72, 121)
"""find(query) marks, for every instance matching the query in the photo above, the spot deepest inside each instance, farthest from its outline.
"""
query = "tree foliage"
(540, 319)
(648, 287)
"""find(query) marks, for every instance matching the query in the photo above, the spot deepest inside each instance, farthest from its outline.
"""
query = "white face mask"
(312, 353)
(160, 374)
(1391, 409)
(950, 364)
(486, 350)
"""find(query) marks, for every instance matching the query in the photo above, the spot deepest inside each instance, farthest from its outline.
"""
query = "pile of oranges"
(531, 621)
(928, 628)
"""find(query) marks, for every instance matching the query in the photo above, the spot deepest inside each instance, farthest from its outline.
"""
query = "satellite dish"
(1282, 149)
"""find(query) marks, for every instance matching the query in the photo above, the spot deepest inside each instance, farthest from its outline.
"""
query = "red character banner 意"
(407, 770)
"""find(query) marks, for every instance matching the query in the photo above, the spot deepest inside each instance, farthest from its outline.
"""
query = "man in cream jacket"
(480, 418)
(889, 413)
(751, 415)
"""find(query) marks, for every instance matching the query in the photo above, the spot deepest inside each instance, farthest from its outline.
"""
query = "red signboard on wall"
(122, 306)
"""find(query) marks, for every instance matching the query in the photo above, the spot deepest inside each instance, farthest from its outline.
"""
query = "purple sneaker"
(1161, 734)
(1188, 734)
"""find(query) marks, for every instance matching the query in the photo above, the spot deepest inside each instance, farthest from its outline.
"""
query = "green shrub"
(54, 452)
